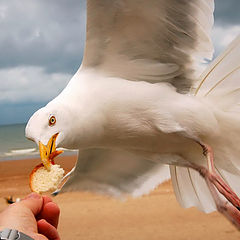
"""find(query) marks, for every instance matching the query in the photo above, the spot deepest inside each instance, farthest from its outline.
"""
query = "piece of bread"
(42, 180)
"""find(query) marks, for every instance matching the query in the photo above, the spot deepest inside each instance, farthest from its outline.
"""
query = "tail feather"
(191, 189)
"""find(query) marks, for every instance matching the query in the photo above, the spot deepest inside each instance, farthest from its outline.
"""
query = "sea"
(14, 145)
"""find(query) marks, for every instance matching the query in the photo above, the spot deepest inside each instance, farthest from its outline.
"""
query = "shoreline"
(64, 160)
(33, 156)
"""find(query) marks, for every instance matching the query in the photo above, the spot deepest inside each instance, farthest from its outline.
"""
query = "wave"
(17, 152)
(68, 150)
(29, 151)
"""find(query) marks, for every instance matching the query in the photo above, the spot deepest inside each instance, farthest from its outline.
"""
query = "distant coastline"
(14, 145)
(11, 124)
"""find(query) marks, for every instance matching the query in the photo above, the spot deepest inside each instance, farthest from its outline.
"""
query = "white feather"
(222, 75)
(191, 189)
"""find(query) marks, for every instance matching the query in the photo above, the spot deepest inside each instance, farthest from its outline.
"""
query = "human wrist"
(13, 234)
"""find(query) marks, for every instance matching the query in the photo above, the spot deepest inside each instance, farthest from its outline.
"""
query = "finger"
(46, 199)
(34, 202)
(47, 230)
(38, 236)
(50, 212)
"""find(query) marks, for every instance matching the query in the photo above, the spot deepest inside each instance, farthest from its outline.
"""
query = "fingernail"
(34, 196)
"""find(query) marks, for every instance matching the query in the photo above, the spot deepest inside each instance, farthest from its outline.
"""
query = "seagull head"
(49, 128)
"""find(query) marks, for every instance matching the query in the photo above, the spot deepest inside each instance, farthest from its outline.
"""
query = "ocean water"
(14, 145)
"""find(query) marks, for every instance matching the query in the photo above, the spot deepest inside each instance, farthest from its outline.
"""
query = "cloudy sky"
(41, 47)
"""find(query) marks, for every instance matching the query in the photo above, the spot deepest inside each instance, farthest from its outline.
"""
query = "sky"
(41, 47)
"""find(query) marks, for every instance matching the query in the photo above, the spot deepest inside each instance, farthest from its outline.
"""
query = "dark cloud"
(42, 33)
(227, 12)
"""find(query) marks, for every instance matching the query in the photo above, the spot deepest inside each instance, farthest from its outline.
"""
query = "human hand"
(35, 216)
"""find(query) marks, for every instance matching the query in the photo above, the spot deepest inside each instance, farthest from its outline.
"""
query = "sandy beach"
(90, 216)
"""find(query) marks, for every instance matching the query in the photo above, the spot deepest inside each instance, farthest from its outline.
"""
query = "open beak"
(49, 152)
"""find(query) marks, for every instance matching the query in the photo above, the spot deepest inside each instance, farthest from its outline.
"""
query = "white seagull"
(133, 108)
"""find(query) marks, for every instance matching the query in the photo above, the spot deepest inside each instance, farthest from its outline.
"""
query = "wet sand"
(90, 216)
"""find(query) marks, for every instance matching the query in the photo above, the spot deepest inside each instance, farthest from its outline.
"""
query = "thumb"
(34, 202)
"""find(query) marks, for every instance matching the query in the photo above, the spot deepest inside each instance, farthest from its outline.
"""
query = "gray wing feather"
(116, 173)
(154, 40)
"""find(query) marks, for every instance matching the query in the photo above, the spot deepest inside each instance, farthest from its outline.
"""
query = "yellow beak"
(49, 152)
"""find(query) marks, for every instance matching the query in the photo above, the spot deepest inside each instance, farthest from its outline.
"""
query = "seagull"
(138, 106)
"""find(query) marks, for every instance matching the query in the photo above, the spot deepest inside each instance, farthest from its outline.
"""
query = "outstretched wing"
(116, 173)
(154, 40)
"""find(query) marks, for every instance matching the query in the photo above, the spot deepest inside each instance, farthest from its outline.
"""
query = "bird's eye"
(52, 121)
